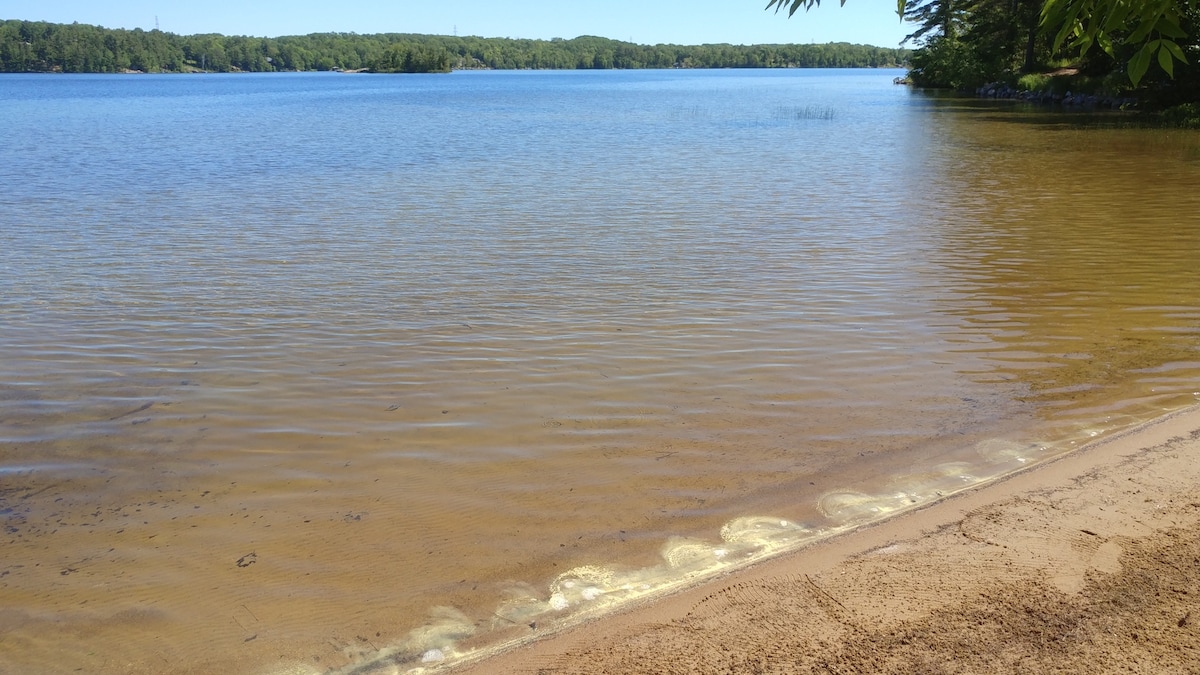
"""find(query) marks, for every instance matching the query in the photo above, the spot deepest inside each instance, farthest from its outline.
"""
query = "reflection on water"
(1074, 250)
(384, 372)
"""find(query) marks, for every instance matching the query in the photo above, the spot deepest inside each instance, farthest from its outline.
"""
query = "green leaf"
(1139, 64)
(1166, 62)
(1175, 50)
(1063, 33)
(795, 5)
(1064, 13)
(1170, 27)
(1117, 17)
(1143, 30)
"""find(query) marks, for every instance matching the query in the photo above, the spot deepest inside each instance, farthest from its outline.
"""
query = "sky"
(688, 22)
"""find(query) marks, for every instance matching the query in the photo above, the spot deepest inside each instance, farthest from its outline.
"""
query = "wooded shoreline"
(41, 47)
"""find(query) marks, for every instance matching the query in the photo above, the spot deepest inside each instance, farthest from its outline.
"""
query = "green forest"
(1145, 49)
(33, 46)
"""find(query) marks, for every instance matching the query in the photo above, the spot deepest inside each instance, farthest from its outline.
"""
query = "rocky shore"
(1084, 101)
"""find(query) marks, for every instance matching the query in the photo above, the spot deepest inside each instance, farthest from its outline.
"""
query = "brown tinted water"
(379, 389)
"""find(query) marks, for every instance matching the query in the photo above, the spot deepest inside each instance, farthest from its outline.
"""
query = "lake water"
(311, 372)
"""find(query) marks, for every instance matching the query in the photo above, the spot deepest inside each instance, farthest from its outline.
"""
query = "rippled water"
(328, 371)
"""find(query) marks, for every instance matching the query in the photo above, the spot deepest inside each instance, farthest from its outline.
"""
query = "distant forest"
(34, 46)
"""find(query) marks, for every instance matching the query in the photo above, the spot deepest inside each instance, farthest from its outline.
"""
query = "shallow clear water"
(310, 371)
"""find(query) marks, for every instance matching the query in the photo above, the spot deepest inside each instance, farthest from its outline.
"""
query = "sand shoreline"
(1088, 562)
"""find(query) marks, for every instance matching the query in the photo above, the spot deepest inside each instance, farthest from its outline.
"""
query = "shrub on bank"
(1185, 116)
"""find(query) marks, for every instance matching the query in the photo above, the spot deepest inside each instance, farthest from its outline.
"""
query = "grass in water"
(807, 112)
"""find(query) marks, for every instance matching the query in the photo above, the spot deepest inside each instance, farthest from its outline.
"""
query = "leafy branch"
(1155, 24)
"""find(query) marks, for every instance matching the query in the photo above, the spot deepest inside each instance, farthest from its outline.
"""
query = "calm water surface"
(328, 372)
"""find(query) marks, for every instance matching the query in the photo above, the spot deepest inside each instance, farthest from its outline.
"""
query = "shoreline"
(1040, 568)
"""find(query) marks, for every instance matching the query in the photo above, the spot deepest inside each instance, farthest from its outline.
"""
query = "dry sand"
(1086, 564)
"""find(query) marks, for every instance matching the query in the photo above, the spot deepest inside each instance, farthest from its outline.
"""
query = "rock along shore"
(1084, 101)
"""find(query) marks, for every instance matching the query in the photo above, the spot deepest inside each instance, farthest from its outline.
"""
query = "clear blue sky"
(641, 21)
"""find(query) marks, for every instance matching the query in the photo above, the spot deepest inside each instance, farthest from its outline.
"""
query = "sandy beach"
(1089, 563)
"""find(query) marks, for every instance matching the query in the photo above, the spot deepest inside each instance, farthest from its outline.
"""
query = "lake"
(330, 372)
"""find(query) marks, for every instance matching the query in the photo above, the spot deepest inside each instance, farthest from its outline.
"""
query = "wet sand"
(1088, 563)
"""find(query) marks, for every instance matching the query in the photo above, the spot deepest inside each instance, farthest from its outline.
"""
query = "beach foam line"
(590, 591)
(1080, 565)
(450, 638)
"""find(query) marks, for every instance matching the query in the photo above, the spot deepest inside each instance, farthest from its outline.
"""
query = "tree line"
(33, 46)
